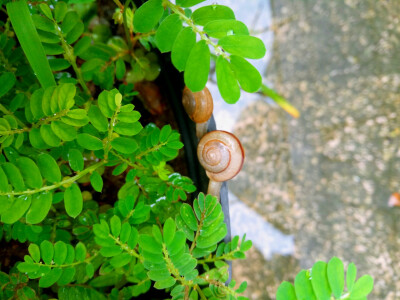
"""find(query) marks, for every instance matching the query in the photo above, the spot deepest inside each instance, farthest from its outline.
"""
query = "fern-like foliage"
(327, 281)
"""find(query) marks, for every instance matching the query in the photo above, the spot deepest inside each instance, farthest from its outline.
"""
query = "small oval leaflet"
(197, 67)
(227, 84)
(182, 47)
(205, 14)
(73, 200)
(147, 16)
(243, 45)
(167, 32)
(40, 207)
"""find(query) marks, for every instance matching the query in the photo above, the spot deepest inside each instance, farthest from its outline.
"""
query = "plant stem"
(202, 296)
(68, 265)
(58, 184)
(71, 58)
(107, 146)
(176, 9)
(126, 248)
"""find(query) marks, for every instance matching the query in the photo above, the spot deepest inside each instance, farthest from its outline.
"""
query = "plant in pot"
(90, 205)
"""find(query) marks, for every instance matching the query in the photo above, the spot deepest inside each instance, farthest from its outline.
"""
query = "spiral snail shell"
(199, 106)
(221, 155)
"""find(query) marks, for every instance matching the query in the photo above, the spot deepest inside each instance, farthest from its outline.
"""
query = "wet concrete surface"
(325, 178)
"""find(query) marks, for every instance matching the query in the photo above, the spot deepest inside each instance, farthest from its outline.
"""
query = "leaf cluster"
(327, 281)
(177, 29)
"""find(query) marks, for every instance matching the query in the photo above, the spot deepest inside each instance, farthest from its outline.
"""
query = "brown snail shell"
(221, 154)
(199, 105)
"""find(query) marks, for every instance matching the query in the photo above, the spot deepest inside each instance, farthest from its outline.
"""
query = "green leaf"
(52, 49)
(188, 3)
(351, 275)
(148, 15)
(75, 159)
(159, 274)
(70, 20)
(286, 292)
(129, 117)
(124, 145)
(362, 287)
(80, 252)
(169, 231)
(227, 84)
(47, 251)
(220, 28)
(188, 216)
(82, 45)
(167, 32)
(208, 241)
(16, 210)
(166, 283)
(63, 131)
(60, 10)
(182, 47)
(89, 142)
(45, 9)
(125, 232)
(7, 81)
(110, 251)
(43, 23)
(165, 133)
(3, 181)
(148, 243)
(205, 14)
(115, 225)
(248, 76)
(59, 64)
(320, 282)
(67, 276)
(106, 104)
(197, 67)
(243, 45)
(75, 33)
(60, 252)
(46, 100)
(49, 168)
(303, 287)
(120, 69)
(120, 260)
(50, 278)
(24, 28)
(336, 276)
(41, 204)
(36, 139)
(96, 181)
(98, 120)
(14, 176)
(89, 270)
(49, 136)
(128, 129)
(34, 251)
(30, 172)
(73, 200)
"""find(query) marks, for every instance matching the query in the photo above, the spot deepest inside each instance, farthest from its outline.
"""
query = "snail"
(199, 107)
(221, 154)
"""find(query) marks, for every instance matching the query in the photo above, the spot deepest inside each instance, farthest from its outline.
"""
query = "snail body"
(199, 106)
(221, 155)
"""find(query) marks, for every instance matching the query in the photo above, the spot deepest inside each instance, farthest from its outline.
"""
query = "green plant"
(83, 183)
(327, 281)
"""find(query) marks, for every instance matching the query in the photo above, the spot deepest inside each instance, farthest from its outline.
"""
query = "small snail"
(221, 155)
(199, 107)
